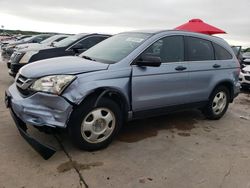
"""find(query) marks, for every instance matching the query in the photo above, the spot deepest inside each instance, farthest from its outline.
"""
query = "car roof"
(215, 39)
(155, 31)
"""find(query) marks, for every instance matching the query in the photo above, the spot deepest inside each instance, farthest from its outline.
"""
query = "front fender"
(88, 83)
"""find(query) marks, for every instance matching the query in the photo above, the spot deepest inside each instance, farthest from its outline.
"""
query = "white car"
(245, 77)
(246, 55)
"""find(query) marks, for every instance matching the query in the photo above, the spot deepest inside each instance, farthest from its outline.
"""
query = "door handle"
(216, 66)
(180, 68)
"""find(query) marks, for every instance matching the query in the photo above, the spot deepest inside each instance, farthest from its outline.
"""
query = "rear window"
(221, 53)
(199, 49)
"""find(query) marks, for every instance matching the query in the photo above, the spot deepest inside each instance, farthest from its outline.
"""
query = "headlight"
(52, 84)
(243, 71)
(27, 56)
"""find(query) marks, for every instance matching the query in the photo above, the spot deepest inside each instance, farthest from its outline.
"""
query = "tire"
(93, 128)
(215, 109)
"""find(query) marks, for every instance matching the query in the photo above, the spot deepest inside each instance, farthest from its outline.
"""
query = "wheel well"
(229, 86)
(116, 96)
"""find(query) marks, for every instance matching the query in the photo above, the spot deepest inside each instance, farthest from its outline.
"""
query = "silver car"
(128, 76)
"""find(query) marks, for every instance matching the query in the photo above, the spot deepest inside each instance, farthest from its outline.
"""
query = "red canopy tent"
(197, 25)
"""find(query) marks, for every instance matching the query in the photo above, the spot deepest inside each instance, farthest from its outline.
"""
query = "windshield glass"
(116, 48)
(50, 39)
(69, 40)
(26, 39)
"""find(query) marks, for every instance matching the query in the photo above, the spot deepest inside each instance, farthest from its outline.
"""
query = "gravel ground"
(177, 150)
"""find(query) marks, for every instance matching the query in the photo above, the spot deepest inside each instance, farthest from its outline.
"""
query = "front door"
(166, 85)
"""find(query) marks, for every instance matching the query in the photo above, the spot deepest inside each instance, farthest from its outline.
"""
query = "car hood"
(61, 65)
(17, 42)
(32, 47)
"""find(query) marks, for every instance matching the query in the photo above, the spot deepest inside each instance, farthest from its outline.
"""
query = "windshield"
(50, 39)
(26, 39)
(115, 48)
(69, 40)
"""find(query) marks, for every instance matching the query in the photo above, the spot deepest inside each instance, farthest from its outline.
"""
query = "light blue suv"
(130, 75)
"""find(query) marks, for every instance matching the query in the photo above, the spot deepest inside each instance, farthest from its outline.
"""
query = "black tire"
(79, 114)
(208, 110)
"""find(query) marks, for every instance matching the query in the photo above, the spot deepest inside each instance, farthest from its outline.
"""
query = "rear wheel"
(93, 128)
(218, 103)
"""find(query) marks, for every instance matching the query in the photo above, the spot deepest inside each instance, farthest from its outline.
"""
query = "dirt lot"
(177, 150)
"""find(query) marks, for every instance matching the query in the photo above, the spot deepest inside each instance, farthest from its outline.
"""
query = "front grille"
(16, 57)
(247, 78)
(23, 85)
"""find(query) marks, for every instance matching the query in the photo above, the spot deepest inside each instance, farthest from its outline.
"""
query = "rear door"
(157, 87)
(205, 70)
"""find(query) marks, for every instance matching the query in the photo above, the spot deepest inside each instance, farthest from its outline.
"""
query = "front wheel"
(218, 103)
(93, 128)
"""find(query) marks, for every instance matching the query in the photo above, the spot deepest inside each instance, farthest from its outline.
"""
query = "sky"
(114, 16)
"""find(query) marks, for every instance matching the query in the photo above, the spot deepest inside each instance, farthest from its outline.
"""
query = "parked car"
(238, 52)
(70, 46)
(5, 42)
(36, 46)
(246, 55)
(245, 77)
(20, 37)
(128, 76)
(9, 49)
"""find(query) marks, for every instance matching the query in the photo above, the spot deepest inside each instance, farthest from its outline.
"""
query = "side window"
(221, 53)
(169, 49)
(199, 49)
(91, 41)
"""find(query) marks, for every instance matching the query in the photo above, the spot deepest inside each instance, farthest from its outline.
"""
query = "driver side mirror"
(149, 61)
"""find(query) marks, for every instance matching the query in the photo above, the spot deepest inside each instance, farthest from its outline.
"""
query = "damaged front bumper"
(29, 111)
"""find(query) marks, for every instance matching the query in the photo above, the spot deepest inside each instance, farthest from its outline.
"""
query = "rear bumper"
(44, 150)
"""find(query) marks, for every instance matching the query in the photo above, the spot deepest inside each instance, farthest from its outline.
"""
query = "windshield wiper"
(89, 58)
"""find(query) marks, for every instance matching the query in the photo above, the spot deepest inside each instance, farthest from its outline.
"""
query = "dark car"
(70, 46)
(9, 49)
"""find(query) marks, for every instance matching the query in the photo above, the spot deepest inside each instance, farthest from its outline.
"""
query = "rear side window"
(221, 53)
(199, 49)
